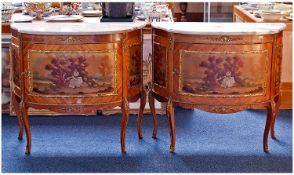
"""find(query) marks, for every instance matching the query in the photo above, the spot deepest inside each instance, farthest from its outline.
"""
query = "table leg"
(140, 115)
(277, 107)
(269, 120)
(152, 109)
(24, 113)
(16, 107)
(124, 122)
(171, 122)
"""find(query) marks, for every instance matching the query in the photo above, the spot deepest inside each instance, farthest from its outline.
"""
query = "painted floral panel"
(135, 65)
(72, 73)
(223, 73)
(160, 65)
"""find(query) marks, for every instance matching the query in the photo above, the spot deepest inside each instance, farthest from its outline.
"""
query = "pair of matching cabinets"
(217, 69)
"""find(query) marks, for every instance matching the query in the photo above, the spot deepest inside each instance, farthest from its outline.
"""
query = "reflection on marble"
(195, 28)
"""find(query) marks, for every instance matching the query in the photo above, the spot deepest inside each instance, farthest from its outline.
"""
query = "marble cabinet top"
(198, 28)
(89, 26)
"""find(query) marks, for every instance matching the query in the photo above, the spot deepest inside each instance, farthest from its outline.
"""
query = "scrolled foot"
(265, 148)
(140, 135)
(273, 136)
(172, 149)
(20, 134)
(28, 151)
(154, 133)
(123, 150)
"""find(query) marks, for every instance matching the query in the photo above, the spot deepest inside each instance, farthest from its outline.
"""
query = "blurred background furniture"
(203, 11)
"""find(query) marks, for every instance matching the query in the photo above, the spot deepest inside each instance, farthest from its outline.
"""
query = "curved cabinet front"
(240, 74)
(216, 73)
(76, 74)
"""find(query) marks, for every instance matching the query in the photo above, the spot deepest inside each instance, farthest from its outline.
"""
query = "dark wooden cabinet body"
(75, 74)
(217, 73)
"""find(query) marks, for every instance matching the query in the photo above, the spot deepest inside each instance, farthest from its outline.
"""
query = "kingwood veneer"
(217, 67)
(75, 68)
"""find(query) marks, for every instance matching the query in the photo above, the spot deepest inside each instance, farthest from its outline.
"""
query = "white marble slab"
(197, 28)
(89, 26)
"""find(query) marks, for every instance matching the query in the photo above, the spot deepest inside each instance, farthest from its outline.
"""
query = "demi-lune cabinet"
(75, 68)
(217, 67)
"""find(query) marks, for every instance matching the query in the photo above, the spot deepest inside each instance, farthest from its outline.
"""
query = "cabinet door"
(74, 71)
(222, 73)
(160, 62)
(134, 58)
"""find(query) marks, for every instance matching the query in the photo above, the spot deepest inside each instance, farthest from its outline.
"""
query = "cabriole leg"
(17, 108)
(171, 122)
(276, 110)
(152, 109)
(140, 115)
(269, 120)
(124, 122)
(24, 113)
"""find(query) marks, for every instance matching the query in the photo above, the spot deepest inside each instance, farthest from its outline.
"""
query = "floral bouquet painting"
(72, 73)
(227, 73)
